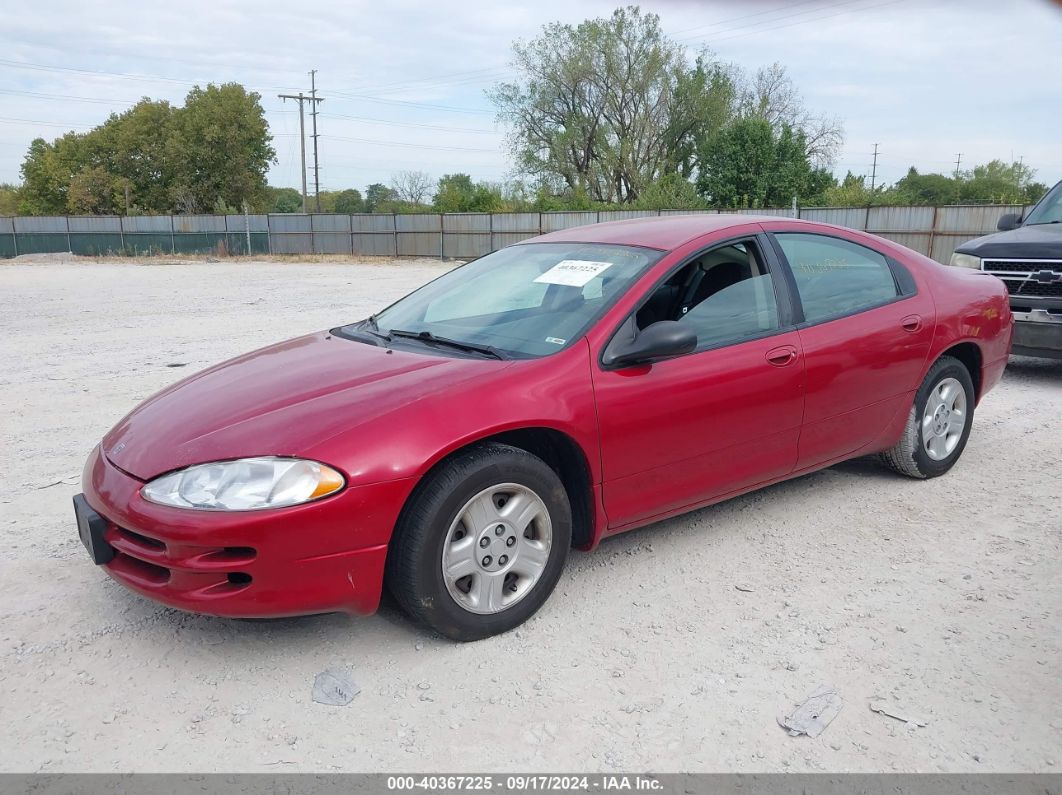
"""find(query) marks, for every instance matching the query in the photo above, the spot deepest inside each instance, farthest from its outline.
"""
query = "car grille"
(154, 563)
(1020, 276)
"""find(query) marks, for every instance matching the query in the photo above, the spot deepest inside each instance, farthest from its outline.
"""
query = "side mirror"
(1008, 222)
(661, 340)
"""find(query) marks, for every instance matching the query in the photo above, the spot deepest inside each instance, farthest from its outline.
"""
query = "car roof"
(663, 232)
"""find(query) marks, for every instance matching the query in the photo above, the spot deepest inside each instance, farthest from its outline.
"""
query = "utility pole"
(301, 99)
(874, 170)
(958, 192)
(316, 166)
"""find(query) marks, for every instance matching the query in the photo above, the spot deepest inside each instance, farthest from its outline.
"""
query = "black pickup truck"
(1027, 255)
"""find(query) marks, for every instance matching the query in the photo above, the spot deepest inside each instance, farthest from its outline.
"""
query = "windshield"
(523, 301)
(1049, 210)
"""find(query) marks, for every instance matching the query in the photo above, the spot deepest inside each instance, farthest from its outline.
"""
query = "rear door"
(865, 331)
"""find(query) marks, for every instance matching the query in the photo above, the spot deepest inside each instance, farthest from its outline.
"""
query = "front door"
(695, 428)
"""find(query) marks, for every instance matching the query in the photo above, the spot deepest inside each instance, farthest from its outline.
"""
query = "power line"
(413, 124)
(805, 21)
(407, 144)
(407, 103)
(762, 22)
(874, 170)
(444, 79)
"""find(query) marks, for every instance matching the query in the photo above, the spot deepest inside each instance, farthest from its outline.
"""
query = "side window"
(835, 277)
(726, 295)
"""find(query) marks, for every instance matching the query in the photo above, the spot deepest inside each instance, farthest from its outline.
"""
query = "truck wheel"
(481, 544)
(939, 423)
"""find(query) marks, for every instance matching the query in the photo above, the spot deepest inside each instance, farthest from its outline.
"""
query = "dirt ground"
(672, 648)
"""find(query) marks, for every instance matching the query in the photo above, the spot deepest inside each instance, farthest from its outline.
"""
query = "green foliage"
(611, 106)
(750, 165)
(456, 193)
(349, 201)
(155, 158)
(8, 199)
(853, 191)
(915, 188)
(219, 149)
(608, 106)
(995, 182)
(283, 200)
(670, 192)
(377, 197)
(95, 191)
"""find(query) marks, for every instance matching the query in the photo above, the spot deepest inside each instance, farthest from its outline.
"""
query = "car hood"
(280, 400)
(1038, 241)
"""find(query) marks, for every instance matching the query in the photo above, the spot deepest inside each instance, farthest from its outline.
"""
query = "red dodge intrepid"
(454, 446)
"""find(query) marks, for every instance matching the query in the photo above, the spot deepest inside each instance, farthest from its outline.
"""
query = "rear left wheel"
(939, 423)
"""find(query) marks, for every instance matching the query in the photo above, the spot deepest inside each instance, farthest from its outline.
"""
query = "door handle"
(781, 356)
(911, 323)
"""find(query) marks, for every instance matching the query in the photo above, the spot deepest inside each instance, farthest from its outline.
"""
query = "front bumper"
(1038, 332)
(321, 557)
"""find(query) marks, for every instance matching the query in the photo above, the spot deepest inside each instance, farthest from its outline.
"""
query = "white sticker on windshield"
(573, 272)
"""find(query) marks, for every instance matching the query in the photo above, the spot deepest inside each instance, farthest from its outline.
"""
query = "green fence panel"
(199, 243)
(96, 244)
(41, 243)
(236, 242)
(148, 243)
(7, 246)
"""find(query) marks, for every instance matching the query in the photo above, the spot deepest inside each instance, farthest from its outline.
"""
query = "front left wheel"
(482, 542)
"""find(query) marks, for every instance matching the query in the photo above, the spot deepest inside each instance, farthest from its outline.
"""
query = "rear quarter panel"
(971, 307)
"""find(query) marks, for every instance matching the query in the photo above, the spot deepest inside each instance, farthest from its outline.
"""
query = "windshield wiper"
(427, 336)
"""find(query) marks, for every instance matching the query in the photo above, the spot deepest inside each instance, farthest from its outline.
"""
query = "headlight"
(966, 261)
(245, 485)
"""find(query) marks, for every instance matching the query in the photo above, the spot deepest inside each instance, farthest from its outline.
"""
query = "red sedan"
(454, 446)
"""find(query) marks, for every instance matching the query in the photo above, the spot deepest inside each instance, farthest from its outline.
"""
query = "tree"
(771, 95)
(349, 201)
(95, 191)
(216, 148)
(283, 200)
(456, 193)
(670, 192)
(377, 196)
(853, 191)
(750, 165)
(8, 199)
(608, 107)
(413, 187)
(605, 107)
(220, 148)
(997, 182)
(936, 189)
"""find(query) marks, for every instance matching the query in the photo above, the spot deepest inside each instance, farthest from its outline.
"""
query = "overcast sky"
(404, 80)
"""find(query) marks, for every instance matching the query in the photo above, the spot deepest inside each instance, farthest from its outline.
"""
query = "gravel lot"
(942, 598)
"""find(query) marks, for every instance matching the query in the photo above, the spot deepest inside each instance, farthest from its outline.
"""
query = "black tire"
(909, 456)
(414, 561)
